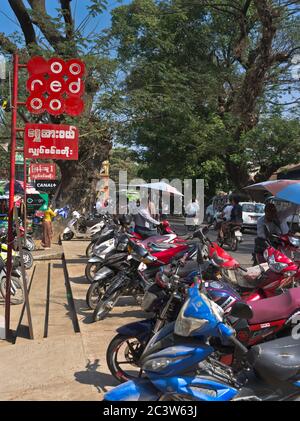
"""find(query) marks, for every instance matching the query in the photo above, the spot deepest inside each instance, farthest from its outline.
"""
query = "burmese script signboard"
(51, 141)
(42, 171)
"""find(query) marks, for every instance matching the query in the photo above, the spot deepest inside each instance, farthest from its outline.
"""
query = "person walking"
(47, 228)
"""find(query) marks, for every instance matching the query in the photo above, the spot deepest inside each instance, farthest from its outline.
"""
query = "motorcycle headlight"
(185, 326)
(157, 364)
(276, 266)
(295, 241)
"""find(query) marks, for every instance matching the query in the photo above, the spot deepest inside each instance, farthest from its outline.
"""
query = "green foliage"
(197, 79)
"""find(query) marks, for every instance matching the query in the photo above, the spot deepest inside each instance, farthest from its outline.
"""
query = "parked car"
(293, 220)
(251, 212)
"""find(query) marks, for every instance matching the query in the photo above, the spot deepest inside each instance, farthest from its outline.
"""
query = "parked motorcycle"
(180, 362)
(16, 284)
(272, 317)
(232, 236)
(80, 227)
(128, 281)
(164, 252)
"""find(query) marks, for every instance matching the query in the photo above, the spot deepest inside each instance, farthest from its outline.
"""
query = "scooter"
(79, 227)
(232, 237)
(180, 362)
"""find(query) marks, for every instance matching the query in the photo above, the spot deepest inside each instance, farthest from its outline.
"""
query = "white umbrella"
(162, 186)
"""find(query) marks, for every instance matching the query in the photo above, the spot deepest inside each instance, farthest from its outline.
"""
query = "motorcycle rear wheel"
(105, 306)
(234, 244)
(67, 236)
(131, 353)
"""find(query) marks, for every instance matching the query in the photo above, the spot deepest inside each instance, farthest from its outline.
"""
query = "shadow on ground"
(95, 378)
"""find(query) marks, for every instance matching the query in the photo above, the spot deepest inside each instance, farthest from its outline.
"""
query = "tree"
(199, 76)
(49, 36)
(123, 159)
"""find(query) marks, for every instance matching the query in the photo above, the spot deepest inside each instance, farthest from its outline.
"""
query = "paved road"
(243, 254)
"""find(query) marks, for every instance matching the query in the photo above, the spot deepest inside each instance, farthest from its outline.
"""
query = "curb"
(52, 256)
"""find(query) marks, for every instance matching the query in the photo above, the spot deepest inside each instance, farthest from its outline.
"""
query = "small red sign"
(55, 86)
(42, 171)
(50, 141)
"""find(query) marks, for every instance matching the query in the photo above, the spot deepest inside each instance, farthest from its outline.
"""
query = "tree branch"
(67, 14)
(25, 22)
(41, 18)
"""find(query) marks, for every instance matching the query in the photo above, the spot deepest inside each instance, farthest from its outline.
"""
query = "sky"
(9, 24)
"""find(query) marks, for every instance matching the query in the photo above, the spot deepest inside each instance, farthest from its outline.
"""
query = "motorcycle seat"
(276, 361)
(92, 222)
(160, 246)
(254, 272)
(276, 308)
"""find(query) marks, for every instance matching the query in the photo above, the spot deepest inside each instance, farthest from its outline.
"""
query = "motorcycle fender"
(103, 273)
(95, 259)
(138, 390)
(140, 330)
(66, 230)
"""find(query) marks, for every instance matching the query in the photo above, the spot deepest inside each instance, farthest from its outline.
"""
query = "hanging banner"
(50, 141)
(42, 171)
(55, 86)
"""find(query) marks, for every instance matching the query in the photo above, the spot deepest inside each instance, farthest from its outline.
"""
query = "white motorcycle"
(80, 227)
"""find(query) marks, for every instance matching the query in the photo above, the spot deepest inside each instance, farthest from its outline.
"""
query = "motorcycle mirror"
(241, 310)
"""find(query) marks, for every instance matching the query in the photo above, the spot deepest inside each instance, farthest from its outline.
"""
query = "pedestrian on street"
(47, 228)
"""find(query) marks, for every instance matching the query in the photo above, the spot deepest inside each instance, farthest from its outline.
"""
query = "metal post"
(24, 276)
(25, 199)
(11, 191)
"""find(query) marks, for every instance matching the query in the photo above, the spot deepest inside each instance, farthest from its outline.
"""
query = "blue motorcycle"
(179, 362)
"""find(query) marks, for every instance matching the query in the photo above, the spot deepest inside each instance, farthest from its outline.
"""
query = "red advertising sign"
(55, 86)
(50, 141)
(42, 171)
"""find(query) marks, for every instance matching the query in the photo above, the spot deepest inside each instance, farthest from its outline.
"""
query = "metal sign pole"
(25, 198)
(26, 297)
(11, 191)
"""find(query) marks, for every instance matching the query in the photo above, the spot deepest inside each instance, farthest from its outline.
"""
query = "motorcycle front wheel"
(89, 250)
(106, 305)
(234, 244)
(16, 290)
(95, 293)
(122, 357)
(27, 259)
(91, 269)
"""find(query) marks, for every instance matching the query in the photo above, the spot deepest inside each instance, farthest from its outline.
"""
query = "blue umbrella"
(288, 190)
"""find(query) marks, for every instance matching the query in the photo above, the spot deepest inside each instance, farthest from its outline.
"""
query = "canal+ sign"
(55, 86)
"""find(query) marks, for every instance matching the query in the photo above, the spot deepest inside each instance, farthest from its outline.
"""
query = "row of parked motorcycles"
(214, 329)
(16, 284)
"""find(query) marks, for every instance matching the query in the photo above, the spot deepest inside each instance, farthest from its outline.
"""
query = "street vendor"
(47, 228)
